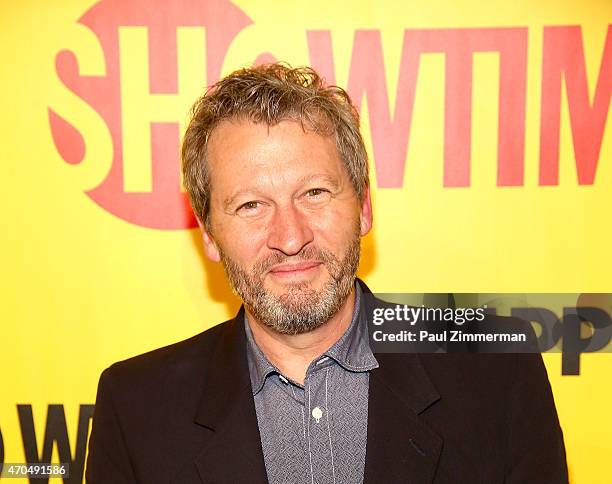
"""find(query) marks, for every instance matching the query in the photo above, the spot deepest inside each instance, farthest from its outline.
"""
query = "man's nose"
(290, 230)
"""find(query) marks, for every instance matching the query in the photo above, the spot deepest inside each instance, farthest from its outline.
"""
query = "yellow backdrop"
(491, 154)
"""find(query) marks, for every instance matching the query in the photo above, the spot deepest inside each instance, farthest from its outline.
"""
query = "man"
(289, 390)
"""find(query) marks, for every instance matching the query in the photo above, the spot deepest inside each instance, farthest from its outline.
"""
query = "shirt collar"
(259, 366)
(352, 351)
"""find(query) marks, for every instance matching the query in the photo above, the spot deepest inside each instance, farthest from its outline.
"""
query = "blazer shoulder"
(181, 358)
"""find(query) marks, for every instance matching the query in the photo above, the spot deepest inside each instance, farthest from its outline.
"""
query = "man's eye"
(316, 192)
(248, 206)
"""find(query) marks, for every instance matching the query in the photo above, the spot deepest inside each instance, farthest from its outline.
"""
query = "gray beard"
(301, 309)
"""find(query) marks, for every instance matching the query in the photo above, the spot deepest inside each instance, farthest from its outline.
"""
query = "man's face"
(285, 221)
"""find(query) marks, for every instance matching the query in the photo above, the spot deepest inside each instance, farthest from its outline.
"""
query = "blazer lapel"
(401, 447)
(234, 452)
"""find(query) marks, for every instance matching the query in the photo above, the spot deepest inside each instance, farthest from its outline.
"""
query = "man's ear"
(365, 216)
(210, 246)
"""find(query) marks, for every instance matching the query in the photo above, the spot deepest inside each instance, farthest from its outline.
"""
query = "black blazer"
(185, 414)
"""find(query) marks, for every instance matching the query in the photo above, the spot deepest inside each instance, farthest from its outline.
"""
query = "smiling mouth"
(291, 270)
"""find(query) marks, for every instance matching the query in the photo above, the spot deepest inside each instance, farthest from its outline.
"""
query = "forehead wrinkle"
(255, 190)
(266, 156)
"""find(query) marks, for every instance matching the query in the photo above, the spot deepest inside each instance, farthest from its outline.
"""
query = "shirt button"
(317, 413)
